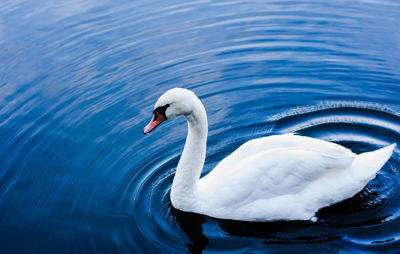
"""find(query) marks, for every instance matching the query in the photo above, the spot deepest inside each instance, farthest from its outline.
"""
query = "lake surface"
(78, 81)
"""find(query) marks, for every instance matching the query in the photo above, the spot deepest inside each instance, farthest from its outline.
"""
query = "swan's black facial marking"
(158, 117)
(161, 111)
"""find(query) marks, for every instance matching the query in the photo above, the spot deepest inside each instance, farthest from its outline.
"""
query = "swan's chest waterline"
(184, 186)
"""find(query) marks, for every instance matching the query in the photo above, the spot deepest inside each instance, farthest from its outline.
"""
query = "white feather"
(281, 177)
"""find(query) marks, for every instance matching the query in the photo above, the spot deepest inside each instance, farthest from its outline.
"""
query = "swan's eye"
(161, 111)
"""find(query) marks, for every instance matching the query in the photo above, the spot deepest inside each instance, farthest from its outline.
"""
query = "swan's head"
(173, 103)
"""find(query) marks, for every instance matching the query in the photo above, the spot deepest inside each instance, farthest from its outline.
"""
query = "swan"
(280, 177)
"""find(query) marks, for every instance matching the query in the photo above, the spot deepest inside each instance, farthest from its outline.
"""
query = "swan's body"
(281, 177)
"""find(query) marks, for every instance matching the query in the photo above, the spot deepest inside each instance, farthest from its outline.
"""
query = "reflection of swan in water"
(282, 177)
(279, 232)
(191, 225)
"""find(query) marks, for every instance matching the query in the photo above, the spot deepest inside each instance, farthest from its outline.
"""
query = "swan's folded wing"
(340, 155)
(268, 174)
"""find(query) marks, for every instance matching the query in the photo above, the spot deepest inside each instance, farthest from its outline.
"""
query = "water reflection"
(191, 224)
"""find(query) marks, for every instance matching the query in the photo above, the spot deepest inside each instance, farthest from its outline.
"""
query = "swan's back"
(253, 152)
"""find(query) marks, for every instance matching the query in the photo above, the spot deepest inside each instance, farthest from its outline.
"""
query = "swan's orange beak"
(155, 121)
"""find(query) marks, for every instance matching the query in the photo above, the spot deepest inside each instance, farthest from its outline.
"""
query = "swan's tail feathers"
(366, 165)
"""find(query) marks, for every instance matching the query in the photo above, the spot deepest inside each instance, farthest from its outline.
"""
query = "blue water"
(78, 80)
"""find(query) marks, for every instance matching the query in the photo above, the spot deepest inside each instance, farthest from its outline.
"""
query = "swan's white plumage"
(281, 177)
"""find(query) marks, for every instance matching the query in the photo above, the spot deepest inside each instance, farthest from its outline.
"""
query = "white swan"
(282, 177)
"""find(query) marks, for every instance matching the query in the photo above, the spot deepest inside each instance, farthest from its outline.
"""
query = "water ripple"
(78, 82)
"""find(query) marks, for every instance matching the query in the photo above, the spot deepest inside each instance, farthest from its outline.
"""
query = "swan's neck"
(192, 160)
